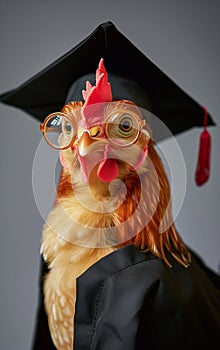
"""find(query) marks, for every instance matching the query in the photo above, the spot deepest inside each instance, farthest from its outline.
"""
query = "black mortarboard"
(47, 91)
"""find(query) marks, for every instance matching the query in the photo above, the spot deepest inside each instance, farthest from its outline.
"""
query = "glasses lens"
(122, 128)
(59, 131)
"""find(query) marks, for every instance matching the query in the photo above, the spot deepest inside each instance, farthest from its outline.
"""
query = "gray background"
(182, 38)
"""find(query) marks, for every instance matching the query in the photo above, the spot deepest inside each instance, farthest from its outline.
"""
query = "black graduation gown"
(131, 300)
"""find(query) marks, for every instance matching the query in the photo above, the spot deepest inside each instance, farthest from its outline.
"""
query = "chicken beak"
(84, 143)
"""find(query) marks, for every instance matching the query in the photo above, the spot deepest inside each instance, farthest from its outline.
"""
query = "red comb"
(97, 94)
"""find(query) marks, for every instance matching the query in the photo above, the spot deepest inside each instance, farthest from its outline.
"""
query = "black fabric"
(131, 300)
(46, 92)
(42, 339)
(122, 88)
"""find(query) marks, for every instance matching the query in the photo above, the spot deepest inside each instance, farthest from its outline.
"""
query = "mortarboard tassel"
(203, 164)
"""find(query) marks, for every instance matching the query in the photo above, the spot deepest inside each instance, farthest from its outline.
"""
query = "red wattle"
(108, 170)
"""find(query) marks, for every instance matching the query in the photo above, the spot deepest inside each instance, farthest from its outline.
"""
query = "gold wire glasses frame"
(122, 128)
(53, 127)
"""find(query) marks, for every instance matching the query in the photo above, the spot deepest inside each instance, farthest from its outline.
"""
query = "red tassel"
(203, 165)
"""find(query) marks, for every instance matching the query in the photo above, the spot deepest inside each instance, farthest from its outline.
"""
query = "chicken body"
(91, 218)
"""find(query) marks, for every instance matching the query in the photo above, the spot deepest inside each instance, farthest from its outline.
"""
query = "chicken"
(113, 191)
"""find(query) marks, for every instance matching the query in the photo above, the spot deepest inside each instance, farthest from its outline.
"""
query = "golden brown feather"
(145, 203)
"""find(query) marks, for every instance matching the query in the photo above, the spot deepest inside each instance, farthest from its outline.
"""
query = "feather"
(91, 220)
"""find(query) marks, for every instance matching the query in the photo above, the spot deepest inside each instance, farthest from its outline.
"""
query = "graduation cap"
(132, 76)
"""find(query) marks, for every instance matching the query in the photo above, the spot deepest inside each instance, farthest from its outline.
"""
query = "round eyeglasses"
(122, 128)
(59, 130)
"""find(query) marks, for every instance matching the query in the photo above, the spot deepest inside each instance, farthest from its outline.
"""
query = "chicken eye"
(67, 128)
(125, 125)
(122, 128)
